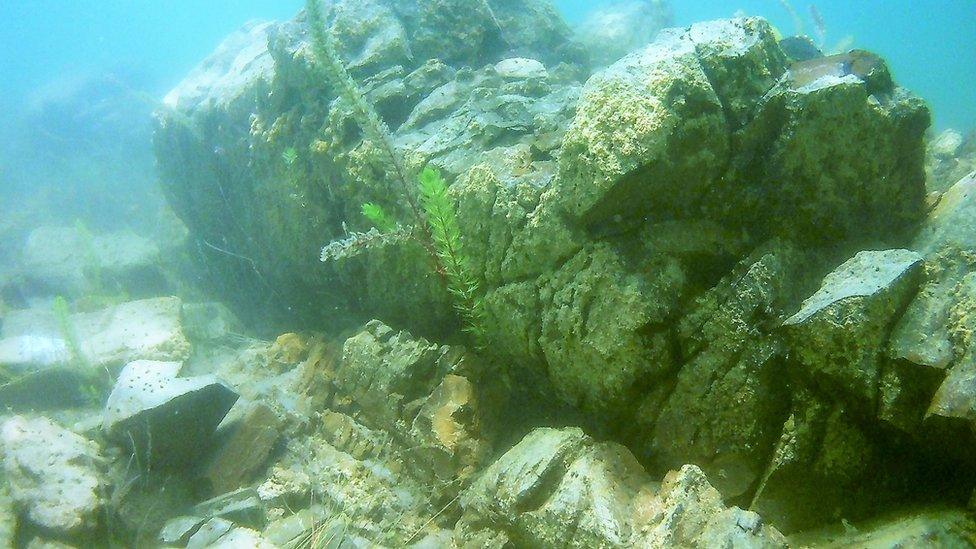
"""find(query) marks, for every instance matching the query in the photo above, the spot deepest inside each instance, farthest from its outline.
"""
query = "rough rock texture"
(8, 517)
(927, 528)
(167, 421)
(244, 448)
(148, 329)
(639, 241)
(53, 474)
(560, 488)
(839, 333)
(950, 156)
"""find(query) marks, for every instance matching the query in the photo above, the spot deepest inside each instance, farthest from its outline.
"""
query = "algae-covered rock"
(734, 384)
(839, 333)
(555, 477)
(815, 186)
(638, 242)
(593, 328)
(648, 138)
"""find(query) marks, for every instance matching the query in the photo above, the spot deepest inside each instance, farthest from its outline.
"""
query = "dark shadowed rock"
(167, 421)
(839, 333)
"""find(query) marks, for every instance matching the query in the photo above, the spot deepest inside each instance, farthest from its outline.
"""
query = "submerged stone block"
(167, 421)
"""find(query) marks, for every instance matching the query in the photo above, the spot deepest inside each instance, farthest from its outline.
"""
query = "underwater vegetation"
(708, 287)
(435, 216)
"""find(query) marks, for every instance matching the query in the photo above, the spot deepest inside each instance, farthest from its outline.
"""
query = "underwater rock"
(728, 400)
(556, 477)
(208, 533)
(238, 537)
(148, 329)
(950, 229)
(520, 68)
(610, 32)
(449, 108)
(412, 390)
(53, 474)
(649, 136)
(28, 352)
(592, 334)
(72, 262)
(925, 528)
(178, 530)
(812, 185)
(242, 507)
(8, 517)
(839, 334)
(949, 157)
(167, 421)
(211, 321)
(638, 244)
(244, 448)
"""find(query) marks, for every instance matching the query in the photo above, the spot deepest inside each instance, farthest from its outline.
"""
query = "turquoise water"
(930, 44)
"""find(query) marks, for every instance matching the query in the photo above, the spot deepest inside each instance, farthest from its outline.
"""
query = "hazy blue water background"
(47, 45)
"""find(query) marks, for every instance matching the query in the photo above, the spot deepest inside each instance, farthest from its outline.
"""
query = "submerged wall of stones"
(718, 255)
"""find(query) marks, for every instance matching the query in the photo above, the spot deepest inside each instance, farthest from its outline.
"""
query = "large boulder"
(638, 241)
(53, 474)
(554, 478)
(804, 178)
(422, 63)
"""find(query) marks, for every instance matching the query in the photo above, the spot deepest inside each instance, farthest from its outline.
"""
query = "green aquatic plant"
(62, 315)
(434, 211)
(378, 217)
(93, 381)
(455, 264)
(328, 60)
(289, 156)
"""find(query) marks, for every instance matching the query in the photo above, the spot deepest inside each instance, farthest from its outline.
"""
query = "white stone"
(517, 68)
(52, 473)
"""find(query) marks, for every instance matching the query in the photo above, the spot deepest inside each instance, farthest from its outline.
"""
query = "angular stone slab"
(840, 332)
(167, 421)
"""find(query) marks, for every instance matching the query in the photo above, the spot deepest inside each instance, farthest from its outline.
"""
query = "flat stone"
(242, 506)
(145, 329)
(867, 274)
(169, 421)
(208, 533)
(177, 531)
(519, 68)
